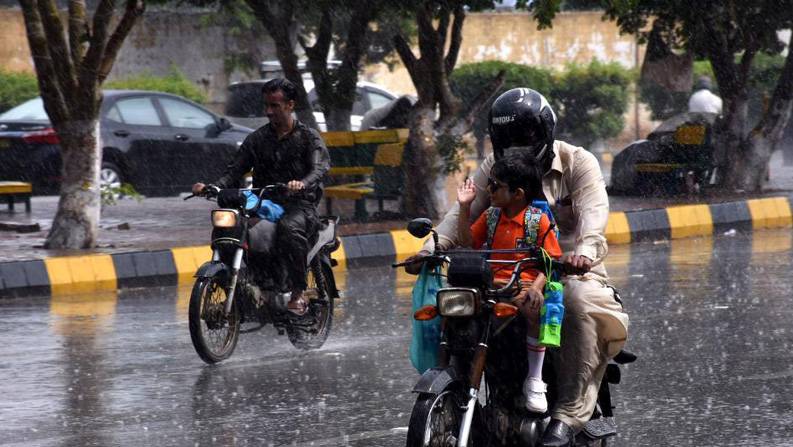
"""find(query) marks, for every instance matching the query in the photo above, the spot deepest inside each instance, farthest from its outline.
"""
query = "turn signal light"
(426, 313)
(502, 310)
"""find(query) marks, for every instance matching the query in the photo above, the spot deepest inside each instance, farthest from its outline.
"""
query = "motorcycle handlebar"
(211, 191)
(561, 267)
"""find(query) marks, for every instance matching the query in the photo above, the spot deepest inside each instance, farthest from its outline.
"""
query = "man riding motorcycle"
(595, 325)
(285, 151)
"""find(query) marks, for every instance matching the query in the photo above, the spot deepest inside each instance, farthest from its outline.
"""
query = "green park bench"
(374, 159)
(11, 192)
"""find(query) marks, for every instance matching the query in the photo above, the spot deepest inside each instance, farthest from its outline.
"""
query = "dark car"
(157, 142)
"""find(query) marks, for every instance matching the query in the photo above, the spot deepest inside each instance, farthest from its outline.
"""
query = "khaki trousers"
(594, 330)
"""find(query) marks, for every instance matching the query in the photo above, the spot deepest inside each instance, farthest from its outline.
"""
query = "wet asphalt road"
(711, 322)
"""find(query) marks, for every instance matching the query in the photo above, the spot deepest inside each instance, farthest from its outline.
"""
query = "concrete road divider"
(176, 266)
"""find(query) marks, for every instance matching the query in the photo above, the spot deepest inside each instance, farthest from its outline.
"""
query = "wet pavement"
(710, 323)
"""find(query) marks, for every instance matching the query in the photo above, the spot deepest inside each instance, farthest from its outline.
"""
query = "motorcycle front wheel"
(214, 334)
(311, 330)
(435, 420)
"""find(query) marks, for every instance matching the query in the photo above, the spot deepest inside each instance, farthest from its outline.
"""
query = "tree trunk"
(76, 222)
(288, 60)
(338, 119)
(743, 154)
(763, 139)
(729, 142)
(420, 167)
(278, 18)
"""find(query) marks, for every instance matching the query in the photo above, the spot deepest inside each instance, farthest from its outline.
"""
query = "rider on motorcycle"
(595, 325)
(511, 222)
(285, 151)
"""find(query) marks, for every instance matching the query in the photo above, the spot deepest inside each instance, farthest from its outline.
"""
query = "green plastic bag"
(426, 334)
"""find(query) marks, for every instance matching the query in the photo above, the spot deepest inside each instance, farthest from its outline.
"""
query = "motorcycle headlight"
(224, 218)
(457, 302)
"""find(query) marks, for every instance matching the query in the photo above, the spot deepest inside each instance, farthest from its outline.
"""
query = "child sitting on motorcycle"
(514, 184)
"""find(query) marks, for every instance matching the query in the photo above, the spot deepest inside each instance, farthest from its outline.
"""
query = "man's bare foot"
(297, 304)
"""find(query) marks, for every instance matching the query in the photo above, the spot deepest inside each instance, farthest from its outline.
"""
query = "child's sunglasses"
(494, 185)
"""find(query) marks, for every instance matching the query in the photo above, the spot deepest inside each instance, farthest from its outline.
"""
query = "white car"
(245, 105)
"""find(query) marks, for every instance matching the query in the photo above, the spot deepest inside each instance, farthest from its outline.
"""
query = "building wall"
(182, 39)
(14, 52)
(576, 37)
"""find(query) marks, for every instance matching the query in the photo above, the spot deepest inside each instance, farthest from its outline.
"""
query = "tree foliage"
(435, 137)
(589, 100)
(468, 80)
(351, 32)
(730, 35)
(16, 88)
(175, 82)
(763, 76)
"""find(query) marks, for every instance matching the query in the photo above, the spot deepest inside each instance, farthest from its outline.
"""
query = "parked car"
(157, 142)
(245, 105)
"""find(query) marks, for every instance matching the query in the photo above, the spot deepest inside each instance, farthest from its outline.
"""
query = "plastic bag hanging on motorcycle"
(552, 310)
(267, 209)
(426, 334)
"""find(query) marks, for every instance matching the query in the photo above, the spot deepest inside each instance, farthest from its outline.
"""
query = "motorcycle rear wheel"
(312, 336)
(435, 420)
(213, 333)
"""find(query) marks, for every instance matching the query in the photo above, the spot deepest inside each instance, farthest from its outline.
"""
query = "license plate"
(690, 135)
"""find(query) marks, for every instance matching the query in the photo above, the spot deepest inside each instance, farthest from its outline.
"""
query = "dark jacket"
(300, 155)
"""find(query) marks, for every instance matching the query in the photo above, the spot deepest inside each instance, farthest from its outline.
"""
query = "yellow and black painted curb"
(176, 266)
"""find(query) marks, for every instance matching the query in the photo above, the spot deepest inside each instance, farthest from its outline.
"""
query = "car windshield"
(32, 110)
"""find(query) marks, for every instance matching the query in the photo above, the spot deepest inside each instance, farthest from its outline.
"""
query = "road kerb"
(93, 273)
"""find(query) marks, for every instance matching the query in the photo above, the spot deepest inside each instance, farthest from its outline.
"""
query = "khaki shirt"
(576, 192)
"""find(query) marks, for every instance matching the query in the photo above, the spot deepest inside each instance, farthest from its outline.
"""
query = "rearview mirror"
(420, 227)
(224, 124)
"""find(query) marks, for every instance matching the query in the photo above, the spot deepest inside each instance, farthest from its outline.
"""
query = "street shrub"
(590, 101)
(468, 80)
(16, 88)
(175, 82)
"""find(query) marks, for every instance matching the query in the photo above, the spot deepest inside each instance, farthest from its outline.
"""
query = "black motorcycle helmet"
(522, 117)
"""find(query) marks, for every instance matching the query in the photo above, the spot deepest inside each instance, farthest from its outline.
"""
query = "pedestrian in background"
(703, 100)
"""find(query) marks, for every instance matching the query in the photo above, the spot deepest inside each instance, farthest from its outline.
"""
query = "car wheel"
(110, 178)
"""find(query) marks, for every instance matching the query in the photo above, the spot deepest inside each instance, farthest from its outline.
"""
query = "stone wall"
(182, 39)
(576, 37)
(14, 52)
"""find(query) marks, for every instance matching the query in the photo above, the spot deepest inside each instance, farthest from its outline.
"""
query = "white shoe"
(534, 390)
